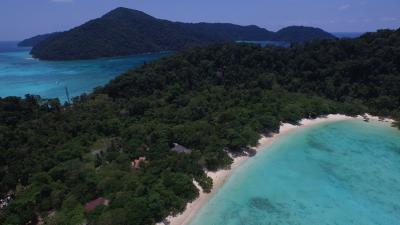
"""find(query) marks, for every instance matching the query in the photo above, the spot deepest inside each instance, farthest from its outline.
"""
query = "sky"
(20, 19)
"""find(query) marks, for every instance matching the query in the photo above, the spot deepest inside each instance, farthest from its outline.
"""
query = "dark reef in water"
(263, 204)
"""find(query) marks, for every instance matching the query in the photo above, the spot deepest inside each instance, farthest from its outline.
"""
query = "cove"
(20, 74)
(336, 173)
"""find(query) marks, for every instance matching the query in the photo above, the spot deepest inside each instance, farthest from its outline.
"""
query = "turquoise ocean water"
(20, 74)
(340, 173)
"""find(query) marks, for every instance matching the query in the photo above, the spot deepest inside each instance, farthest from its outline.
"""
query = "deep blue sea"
(20, 74)
(340, 173)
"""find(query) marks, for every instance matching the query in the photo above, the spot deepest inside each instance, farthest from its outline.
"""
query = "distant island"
(125, 31)
(301, 34)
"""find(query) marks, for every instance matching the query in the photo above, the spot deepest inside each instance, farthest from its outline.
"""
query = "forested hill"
(301, 34)
(211, 100)
(125, 32)
(30, 42)
(364, 70)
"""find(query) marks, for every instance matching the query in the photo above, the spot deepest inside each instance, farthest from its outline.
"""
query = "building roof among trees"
(180, 149)
(97, 202)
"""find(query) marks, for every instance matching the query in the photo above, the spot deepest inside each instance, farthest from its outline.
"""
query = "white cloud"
(344, 7)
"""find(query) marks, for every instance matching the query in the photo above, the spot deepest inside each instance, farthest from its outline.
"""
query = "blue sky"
(24, 18)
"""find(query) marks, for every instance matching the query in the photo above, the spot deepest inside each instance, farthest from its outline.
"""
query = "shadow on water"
(313, 143)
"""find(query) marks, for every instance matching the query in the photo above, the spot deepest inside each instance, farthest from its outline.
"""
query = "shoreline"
(221, 176)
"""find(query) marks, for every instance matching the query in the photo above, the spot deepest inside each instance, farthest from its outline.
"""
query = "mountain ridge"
(124, 31)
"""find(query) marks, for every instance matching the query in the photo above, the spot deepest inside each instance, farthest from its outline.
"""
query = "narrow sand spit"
(221, 176)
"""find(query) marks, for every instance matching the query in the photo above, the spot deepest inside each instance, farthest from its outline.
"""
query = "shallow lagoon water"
(339, 173)
(20, 74)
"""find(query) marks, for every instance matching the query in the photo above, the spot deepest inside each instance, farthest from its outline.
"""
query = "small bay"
(20, 74)
(338, 173)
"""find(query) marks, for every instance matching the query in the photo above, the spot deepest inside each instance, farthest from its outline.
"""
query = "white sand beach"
(221, 176)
